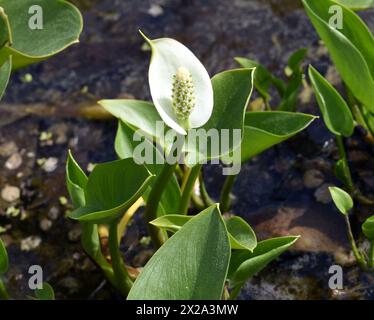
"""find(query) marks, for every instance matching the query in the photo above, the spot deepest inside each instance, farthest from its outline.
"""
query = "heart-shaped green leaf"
(112, 188)
(5, 71)
(263, 130)
(244, 264)
(191, 265)
(368, 228)
(126, 146)
(342, 200)
(232, 91)
(4, 263)
(357, 4)
(350, 47)
(40, 29)
(46, 293)
(241, 235)
(335, 111)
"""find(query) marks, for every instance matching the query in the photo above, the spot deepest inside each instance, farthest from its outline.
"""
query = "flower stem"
(120, 271)
(153, 202)
(225, 201)
(3, 292)
(193, 174)
(360, 260)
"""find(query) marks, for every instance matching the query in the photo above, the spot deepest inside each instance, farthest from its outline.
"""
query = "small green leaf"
(265, 129)
(4, 262)
(244, 264)
(357, 4)
(191, 265)
(241, 234)
(368, 228)
(76, 181)
(342, 200)
(335, 111)
(171, 222)
(5, 71)
(46, 293)
(61, 27)
(112, 188)
(350, 47)
(296, 59)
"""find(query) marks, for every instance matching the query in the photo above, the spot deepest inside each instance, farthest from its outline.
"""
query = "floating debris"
(30, 243)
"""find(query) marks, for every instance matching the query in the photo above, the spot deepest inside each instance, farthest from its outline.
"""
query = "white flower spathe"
(169, 57)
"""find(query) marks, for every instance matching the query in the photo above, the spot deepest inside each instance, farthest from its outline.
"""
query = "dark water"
(108, 63)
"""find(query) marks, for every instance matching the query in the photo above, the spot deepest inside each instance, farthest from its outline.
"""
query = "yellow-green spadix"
(180, 86)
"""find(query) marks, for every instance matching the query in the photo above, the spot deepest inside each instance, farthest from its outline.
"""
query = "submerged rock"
(10, 193)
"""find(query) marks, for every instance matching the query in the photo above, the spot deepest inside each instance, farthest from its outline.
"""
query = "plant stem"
(197, 202)
(204, 193)
(371, 255)
(225, 201)
(153, 202)
(234, 292)
(343, 156)
(360, 260)
(120, 271)
(193, 174)
(3, 292)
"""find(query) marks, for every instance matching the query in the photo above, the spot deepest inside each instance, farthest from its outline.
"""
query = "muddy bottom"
(281, 192)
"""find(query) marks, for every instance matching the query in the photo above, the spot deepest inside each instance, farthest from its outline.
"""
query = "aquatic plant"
(344, 203)
(201, 256)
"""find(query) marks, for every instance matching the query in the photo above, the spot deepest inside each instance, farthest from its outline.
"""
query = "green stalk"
(347, 173)
(92, 247)
(371, 255)
(193, 174)
(3, 292)
(360, 259)
(197, 202)
(153, 202)
(225, 201)
(120, 272)
(235, 292)
(343, 156)
(208, 201)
